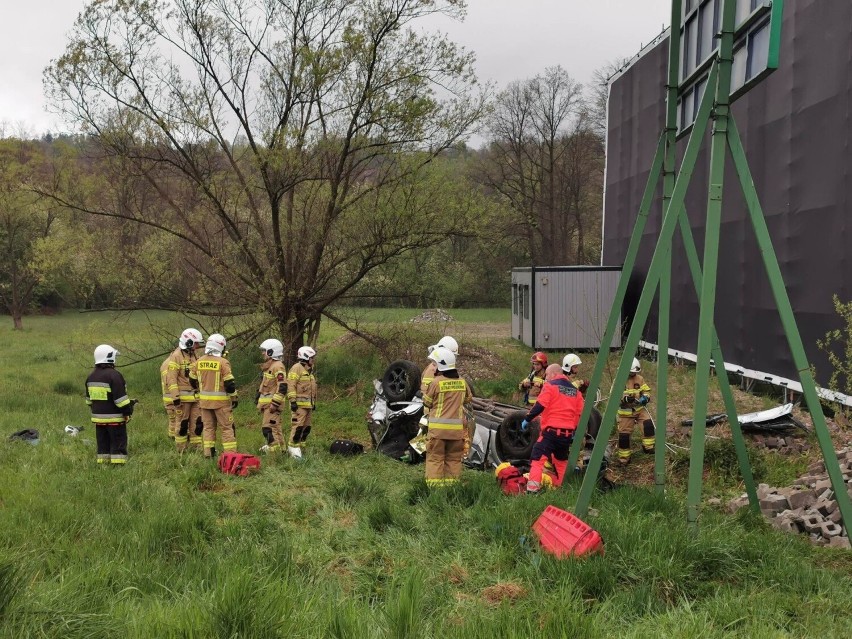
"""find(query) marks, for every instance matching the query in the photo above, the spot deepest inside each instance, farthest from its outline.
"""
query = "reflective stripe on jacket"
(174, 377)
(106, 395)
(301, 386)
(273, 385)
(559, 404)
(212, 373)
(636, 387)
(445, 399)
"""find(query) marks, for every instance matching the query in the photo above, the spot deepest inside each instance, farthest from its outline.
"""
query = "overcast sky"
(512, 40)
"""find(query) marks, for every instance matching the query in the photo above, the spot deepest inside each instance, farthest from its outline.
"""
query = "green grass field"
(167, 546)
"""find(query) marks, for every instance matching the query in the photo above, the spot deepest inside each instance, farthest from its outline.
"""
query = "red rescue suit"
(560, 405)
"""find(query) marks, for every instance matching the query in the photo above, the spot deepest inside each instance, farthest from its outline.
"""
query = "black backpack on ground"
(345, 447)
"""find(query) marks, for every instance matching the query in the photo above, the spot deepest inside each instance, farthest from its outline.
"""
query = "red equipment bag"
(511, 479)
(562, 534)
(234, 463)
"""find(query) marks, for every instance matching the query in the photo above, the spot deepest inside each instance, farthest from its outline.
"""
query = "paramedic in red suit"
(560, 405)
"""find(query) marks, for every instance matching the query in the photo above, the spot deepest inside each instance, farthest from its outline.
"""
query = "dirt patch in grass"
(456, 574)
(503, 591)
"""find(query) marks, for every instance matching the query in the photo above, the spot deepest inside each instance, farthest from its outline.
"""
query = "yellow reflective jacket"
(174, 377)
(301, 386)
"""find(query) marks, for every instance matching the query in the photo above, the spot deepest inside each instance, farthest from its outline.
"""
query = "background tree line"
(276, 160)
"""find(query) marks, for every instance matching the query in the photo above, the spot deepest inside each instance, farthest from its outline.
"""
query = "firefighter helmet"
(447, 342)
(273, 348)
(215, 345)
(569, 362)
(105, 354)
(190, 338)
(540, 358)
(635, 367)
(444, 358)
(305, 353)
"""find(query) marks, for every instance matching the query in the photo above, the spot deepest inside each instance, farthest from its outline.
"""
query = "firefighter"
(560, 405)
(217, 395)
(570, 367)
(302, 394)
(631, 411)
(106, 395)
(532, 383)
(445, 399)
(271, 394)
(429, 372)
(185, 424)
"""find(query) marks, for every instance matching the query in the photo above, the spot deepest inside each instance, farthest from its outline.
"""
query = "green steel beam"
(664, 244)
(615, 311)
(707, 301)
(669, 172)
(724, 385)
(788, 320)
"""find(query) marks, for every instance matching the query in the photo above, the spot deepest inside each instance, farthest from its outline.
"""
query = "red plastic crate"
(562, 534)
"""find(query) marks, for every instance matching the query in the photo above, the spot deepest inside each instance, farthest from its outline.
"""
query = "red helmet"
(539, 357)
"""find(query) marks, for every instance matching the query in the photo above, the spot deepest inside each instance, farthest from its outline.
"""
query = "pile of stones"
(808, 506)
(433, 315)
(787, 445)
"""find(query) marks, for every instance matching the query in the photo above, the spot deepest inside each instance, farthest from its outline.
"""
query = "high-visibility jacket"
(445, 400)
(174, 377)
(636, 388)
(301, 386)
(534, 389)
(273, 386)
(427, 376)
(560, 405)
(216, 384)
(106, 394)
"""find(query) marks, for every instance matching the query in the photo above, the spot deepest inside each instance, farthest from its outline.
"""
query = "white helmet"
(273, 348)
(635, 367)
(305, 353)
(215, 345)
(569, 361)
(105, 354)
(190, 338)
(447, 342)
(444, 358)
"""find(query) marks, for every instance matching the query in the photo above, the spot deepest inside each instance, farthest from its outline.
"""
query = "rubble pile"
(808, 506)
(432, 315)
(788, 445)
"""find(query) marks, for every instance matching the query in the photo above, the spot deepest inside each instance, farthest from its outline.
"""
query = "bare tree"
(285, 142)
(537, 160)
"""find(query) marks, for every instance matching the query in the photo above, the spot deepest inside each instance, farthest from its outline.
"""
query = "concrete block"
(774, 504)
(830, 529)
(784, 525)
(763, 490)
(825, 506)
(816, 468)
(735, 504)
(835, 516)
(826, 495)
(801, 499)
(822, 484)
(840, 542)
(812, 522)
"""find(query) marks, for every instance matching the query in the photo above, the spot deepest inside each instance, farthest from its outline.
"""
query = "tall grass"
(349, 547)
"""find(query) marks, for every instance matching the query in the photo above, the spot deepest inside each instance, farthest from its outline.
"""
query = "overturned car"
(394, 420)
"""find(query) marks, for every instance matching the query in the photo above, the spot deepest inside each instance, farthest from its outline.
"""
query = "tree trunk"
(17, 321)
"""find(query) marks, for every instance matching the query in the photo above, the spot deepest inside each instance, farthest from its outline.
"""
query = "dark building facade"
(797, 131)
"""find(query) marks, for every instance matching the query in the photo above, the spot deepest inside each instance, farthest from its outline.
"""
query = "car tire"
(515, 443)
(401, 380)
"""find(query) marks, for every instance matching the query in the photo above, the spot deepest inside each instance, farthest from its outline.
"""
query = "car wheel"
(515, 443)
(401, 380)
